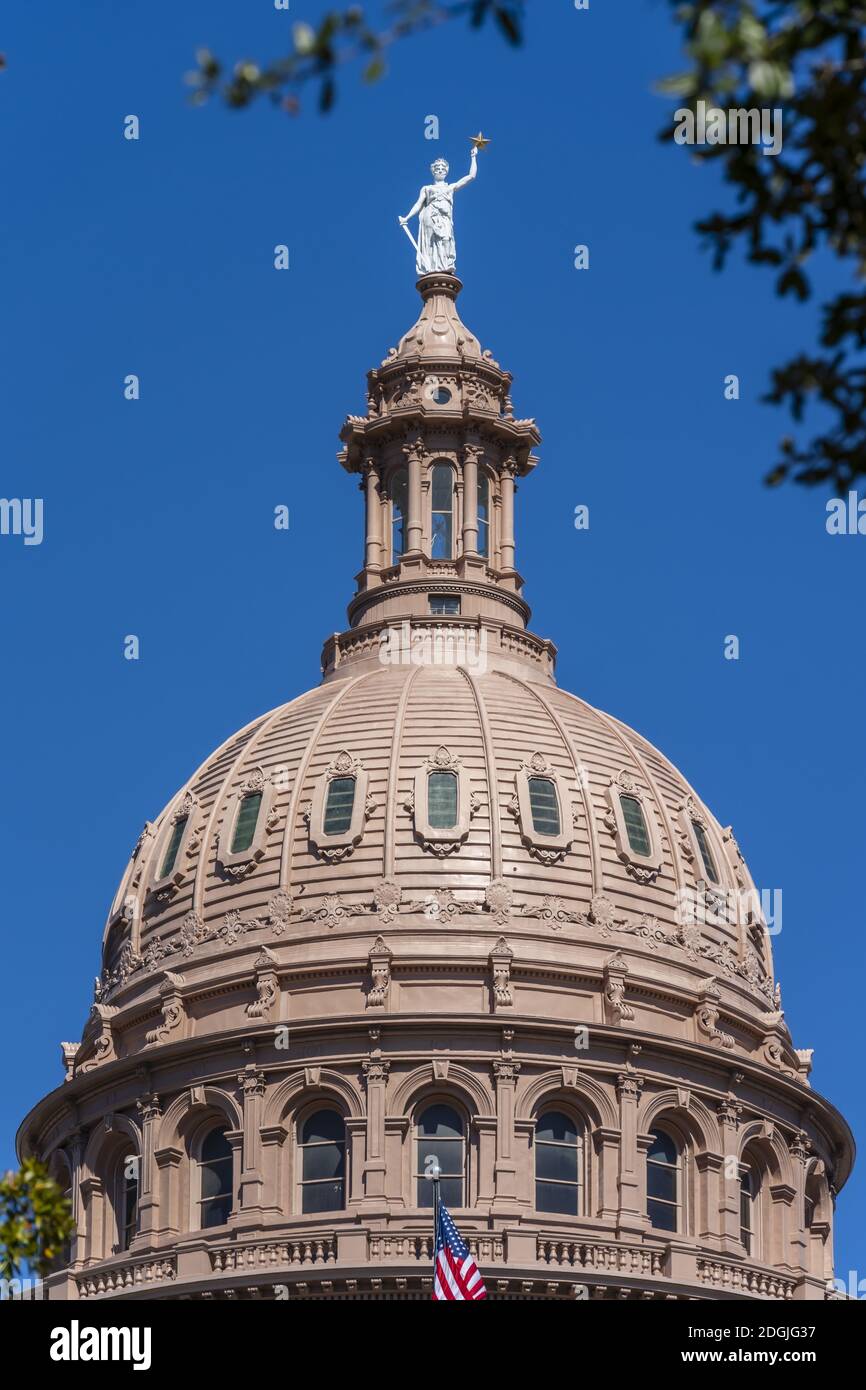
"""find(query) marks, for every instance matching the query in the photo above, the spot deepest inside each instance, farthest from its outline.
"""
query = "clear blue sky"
(156, 258)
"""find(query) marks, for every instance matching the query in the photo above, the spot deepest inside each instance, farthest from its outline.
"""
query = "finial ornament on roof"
(435, 248)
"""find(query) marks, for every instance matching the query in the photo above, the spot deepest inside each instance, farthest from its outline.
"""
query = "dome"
(439, 885)
(492, 730)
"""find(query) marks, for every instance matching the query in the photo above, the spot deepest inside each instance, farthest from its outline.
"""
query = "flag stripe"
(456, 1276)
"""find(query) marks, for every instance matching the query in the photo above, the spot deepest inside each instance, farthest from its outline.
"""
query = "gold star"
(478, 141)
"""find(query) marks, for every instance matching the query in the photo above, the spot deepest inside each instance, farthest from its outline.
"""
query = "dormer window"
(339, 804)
(703, 843)
(444, 605)
(442, 803)
(631, 821)
(339, 808)
(543, 809)
(173, 846)
(545, 806)
(635, 824)
(442, 800)
(700, 845)
(249, 817)
(442, 527)
(245, 824)
(179, 838)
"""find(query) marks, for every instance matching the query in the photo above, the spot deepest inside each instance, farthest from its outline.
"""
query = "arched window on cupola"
(664, 1182)
(323, 1162)
(442, 512)
(399, 512)
(215, 1171)
(441, 1134)
(483, 514)
(124, 1198)
(559, 1160)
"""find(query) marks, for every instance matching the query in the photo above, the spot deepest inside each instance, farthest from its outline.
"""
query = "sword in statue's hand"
(403, 223)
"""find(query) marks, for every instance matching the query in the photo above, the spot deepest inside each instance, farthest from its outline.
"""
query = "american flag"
(455, 1273)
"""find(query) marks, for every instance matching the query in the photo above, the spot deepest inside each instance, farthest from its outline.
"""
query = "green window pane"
(544, 805)
(442, 800)
(173, 846)
(245, 825)
(339, 804)
(706, 852)
(635, 824)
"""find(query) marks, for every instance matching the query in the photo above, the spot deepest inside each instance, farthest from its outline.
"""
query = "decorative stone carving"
(172, 1010)
(707, 1015)
(267, 985)
(387, 896)
(552, 910)
(98, 1029)
(500, 963)
(279, 911)
(68, 1053)
(615, 971)
(331, 913)
(498, 899)
(380, 971)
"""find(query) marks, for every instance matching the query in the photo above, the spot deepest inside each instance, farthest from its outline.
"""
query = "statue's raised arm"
(435, 246)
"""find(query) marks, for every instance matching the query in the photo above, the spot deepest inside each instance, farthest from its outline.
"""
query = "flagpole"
(435, 1223)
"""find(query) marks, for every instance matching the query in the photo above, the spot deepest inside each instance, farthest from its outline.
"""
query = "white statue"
(435, 206)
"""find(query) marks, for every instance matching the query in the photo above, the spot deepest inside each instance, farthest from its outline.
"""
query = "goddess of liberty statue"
(435, 205)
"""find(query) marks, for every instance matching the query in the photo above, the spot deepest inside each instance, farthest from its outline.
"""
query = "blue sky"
(156, 257)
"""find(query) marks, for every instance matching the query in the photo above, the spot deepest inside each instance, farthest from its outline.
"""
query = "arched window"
(399, 509)
(544, 804)
(126, 1199)
(339, 804)
(215, 1180)
(173, 846)
(323, 1162)
(440, 1136)
(442, 530)
(558, 1164)
(663, 1182)
(245, 823)
(483, 514)
(749, 1229)
(635, 825)
(442, 800)
(706, 853)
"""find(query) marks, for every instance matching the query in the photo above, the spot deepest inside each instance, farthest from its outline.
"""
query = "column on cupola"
(631, 1218)
(252, 1084)
(415, 454)
(373, 543)
(508, 472)
(471, 455)
(505, 1073)
(729, 1112)
(75, 1150)
(375, 1071)
(150, 1111)
(800, 1150)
